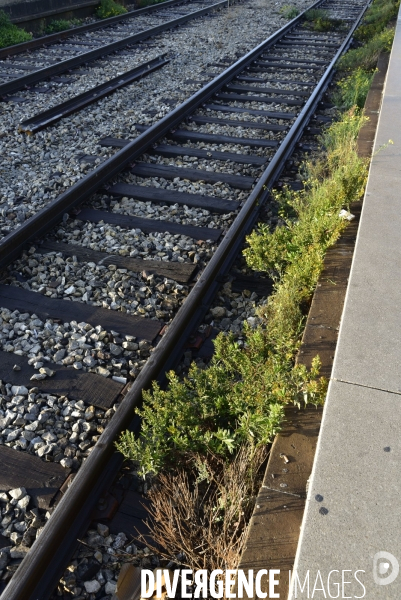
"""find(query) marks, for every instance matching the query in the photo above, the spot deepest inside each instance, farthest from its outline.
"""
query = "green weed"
(358, 64)
(62, 25)
(366, 56)
(376, 19)
(289, 12)
(311, 223)
(315, 13)
(352, 90)
(109, 8)
(319, 20)
(10, 34)
(240, 398)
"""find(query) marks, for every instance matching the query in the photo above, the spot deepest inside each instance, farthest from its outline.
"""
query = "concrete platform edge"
(352, 509)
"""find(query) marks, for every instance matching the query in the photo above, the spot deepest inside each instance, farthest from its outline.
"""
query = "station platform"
(350, 542)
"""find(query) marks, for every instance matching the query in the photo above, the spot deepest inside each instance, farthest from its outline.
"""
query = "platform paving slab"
(353, 508)
(369, 346)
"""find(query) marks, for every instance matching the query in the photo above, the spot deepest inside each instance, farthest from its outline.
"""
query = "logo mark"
(382, 573)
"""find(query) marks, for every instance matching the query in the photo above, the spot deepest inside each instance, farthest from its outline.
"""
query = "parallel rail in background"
(86, 57)
(102, 24)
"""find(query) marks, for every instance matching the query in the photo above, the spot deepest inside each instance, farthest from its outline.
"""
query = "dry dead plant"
(203, 516)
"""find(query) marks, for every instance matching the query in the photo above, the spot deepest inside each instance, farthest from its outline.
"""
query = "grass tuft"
(378, 15)
(109, 8)
(288, 11)
(62, 25)
(352, 90)
(314, 14)
(319, 20)
(10, 34)
(366, 56)
(358, 64)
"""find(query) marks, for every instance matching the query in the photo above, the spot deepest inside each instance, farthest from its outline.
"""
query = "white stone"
(89, 413)
(19, 390)
(23, 503)
(17, 493)
(89, 361)
(20, 526)
(115, 350)
(59, 355)
(46, 449)
(218, 312)
(102, 371)
(110, 587)
(47, 371)
(19, 552)
(103, 529)
(92, 587)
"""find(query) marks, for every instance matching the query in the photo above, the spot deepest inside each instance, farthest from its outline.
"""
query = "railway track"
(159, 224)
(26, 64)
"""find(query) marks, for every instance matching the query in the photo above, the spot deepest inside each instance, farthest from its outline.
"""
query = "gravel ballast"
(37, 169)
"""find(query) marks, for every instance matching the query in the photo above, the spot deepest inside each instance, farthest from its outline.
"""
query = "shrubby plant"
(61, 25)
(378, 15)
(240, 398)
(109, 8)
(359, 63)
(289, 12)
(352, 90)
(319, 20)
(366, 56)
(10, 34)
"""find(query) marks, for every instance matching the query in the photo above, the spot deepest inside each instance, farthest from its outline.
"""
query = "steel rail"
(62, 35)
(32, 579)
(86, 57)
(48, 117)
(38, 224)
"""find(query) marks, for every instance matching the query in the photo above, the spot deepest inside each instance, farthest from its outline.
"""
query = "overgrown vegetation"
(10, 34)
(359, 63)
(319, 20)
(378, 15)
(313, 14)
(109, 8)
(62, 25)
(352, 90)
(294, 252)
(240, 397)
(288, 11)
(365, 57)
